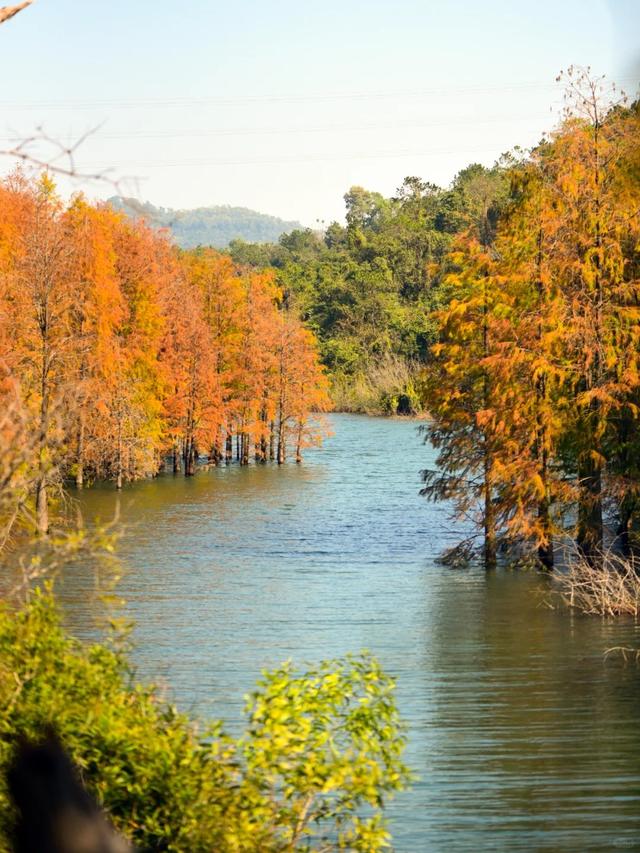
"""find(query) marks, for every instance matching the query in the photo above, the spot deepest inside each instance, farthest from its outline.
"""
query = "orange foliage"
(126, 350)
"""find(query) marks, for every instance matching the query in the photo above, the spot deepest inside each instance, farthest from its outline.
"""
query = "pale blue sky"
(281, 106)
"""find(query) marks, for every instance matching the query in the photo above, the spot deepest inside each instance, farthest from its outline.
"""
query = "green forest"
(369, 289)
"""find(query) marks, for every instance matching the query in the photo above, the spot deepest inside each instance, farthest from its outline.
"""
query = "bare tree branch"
(43, 152)
(7, 12)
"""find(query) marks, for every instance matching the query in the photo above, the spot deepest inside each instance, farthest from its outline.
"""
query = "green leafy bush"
(320, 746)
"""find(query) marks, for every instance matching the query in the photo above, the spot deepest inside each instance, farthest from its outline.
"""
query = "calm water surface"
(524, 737)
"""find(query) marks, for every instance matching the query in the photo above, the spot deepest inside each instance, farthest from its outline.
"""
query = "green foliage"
(368, 289)
(319, 747)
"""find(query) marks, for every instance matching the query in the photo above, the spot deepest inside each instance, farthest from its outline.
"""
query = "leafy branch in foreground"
(320, 746)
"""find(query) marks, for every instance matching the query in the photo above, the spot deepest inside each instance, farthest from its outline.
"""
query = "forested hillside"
(207, 226)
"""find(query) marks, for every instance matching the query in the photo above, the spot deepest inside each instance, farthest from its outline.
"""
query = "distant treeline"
(213, 226)
(117, 350)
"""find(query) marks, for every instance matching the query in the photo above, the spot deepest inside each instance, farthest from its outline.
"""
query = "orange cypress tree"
(37, 302)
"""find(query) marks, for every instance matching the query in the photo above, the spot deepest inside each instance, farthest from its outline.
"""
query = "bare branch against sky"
(7, 12)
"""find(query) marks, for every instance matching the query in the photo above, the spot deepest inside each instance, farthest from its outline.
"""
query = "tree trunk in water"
(190, 458)
(282, 450)
(589, 537)
(176, 458)
(590, 530)
(80, 455)
(228, 447)
(261, 449)
(545, 549)
(627, 507)
(490, 540)
(629, 501)
(299, 444)
(490, 546)
(272, 441)
(216, 451)
(119, 460)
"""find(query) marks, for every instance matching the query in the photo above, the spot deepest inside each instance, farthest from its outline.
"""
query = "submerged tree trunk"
(228, 446)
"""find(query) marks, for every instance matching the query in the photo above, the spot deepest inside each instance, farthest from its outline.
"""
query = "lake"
(524, 736)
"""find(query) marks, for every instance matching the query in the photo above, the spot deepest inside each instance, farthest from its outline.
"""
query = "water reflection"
(525, 739)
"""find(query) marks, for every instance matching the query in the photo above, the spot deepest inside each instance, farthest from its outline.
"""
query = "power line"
(319, 158)
(284, 131)
(285, 98)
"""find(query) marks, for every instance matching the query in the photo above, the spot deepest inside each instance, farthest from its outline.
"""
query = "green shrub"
(319, 747)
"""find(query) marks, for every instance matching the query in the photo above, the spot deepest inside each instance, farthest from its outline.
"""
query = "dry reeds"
(378, 389)
(608, 587)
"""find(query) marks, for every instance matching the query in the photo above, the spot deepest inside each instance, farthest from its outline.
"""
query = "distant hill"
(208, 226)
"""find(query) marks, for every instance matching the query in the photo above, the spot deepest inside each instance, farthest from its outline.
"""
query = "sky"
(282, 105)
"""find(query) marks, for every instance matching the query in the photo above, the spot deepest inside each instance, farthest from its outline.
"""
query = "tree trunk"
(215, 454)
(590, 530)
(190, 457)
(545, 548)
(589, 536)
(627, 507)
(119, 460)
(42, 508)
(282, 449)
(80, 455)
(490, 538)
(490, 546)
(299, 444)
